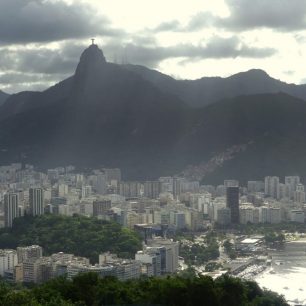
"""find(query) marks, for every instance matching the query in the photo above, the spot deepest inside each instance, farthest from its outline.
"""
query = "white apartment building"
(297, 216)
(272, 186)
(8, 260)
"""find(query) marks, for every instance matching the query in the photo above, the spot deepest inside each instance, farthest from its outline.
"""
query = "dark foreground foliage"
(78, 235)
(89, 289)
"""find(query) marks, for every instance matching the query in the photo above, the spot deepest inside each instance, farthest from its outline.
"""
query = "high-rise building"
(292, 182)
(190, 186)
(100, 207)
(86, 191)
(177, 219)
(29, 252)
(272, 186)
(36, 201)
(152, 189)
(299, 194)
(129, 189)
(122, 269)
(177, 186)
(264, 214)
(63, 190)
(255, 186)
(8, 260)
(151, 257)
(166, 184)
(224, 216)
(193, 219)
(101, 184)
(297, 215)
(275, 215)
(30, 270)
(246, 214)
(284, 191)
(10, 208)
(232, 202)
(168, 251)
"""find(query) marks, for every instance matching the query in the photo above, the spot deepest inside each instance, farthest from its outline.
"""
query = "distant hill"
(207, 90)
(26, 100)
(3, 97)
(249, 137)
(107, 115)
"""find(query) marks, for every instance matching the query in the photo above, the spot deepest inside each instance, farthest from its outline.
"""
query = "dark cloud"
(42, 67)
(172, 26)
(37, 68)
(23, 21)
(197, 22)
(143, 39)
(41, 60)
(31, 86)
(283, 15)
(26, 78)
(201, 20)
(13, 82)
(217, 47)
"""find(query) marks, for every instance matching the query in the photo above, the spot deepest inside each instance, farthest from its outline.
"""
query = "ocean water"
(287, 275)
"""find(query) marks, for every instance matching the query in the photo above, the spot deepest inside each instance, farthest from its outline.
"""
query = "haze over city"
(152, 153)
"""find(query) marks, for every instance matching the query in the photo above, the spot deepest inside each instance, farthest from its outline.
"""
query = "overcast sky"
(41, 40)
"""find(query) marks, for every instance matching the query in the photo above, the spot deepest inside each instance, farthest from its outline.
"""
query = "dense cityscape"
(172, 215)
(152, 153)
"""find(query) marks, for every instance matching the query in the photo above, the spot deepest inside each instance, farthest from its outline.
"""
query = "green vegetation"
(263, 228)
(274, 238)
(212, 266)
(79, 235)
(89, 289)
(273, 233)
(200, 253)
(229, 249)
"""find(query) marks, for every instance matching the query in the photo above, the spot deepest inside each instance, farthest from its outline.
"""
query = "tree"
(79, 235)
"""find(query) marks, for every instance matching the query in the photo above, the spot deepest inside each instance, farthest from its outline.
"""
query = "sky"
(41, 40)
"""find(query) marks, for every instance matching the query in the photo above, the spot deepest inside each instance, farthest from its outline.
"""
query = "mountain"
(27, 100)
(249, 137)
(3, 97)
(103, 115)
(107, 115)
(207, 90)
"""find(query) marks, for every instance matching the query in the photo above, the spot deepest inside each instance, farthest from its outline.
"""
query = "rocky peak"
(91, 59)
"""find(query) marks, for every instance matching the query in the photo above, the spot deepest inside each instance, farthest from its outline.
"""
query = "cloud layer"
(41, 40)
(24, 21)
(281, 15)
(216, 48)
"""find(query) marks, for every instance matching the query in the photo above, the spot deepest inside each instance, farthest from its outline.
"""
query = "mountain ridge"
(3, 97)
(206, 90)
(107, 115)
